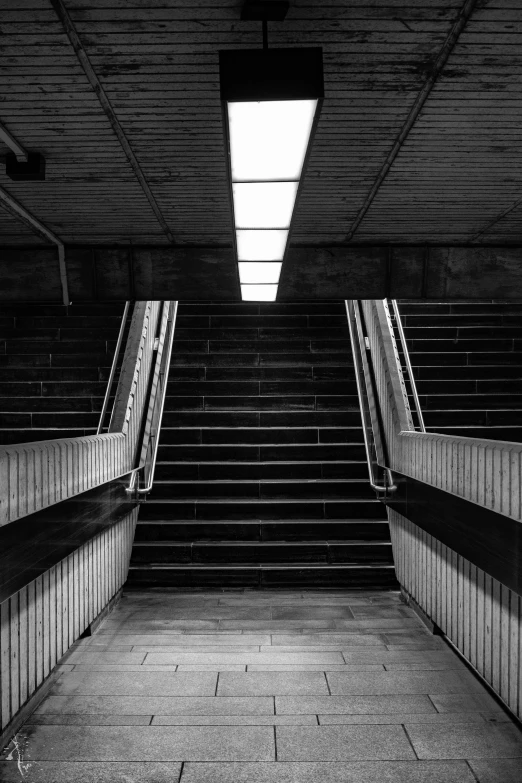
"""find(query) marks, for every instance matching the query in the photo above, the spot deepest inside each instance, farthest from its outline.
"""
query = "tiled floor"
(265, 688)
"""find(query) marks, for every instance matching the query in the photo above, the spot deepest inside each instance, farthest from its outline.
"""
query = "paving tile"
(433, 645)
(462, 741)
(275, 625)
(247, 772)
(353, 629)
(307, 612)
(158, 705)
(402, 682)
(315, 667)
(454, 663)
(151, 624)
(188, 652)
(113, 667)
(245, 657)
(383, 655)
(428, 717)
(271, 683)
(216, 667)
(462, 702)
(147, 743)
(195, 612)
(109, 647)
(90, 772)
(342, 743)
(353, 705)
(197, 640)
(346, 639)
(129, 684)
(84, 655)
(297, 647)
(235, 720)
(382, 624)
(88, 720)
(498, 771)
(386, 612)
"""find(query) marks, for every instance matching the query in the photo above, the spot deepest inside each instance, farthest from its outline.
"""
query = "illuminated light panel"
(264, 204)
(259, 293)
(261, 245)
(269, 139)
(254, 273)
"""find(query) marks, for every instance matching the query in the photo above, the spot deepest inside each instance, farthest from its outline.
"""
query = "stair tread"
(255, 566)
(264, 481)
(294, 521)
(265, 462)
(265, 544)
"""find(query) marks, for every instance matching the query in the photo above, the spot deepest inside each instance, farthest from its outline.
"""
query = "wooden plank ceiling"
(457, 177)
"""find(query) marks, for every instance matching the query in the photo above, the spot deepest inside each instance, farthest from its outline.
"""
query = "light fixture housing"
(271, 102)
(32, 169)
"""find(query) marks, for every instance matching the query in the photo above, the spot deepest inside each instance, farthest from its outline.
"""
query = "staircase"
(261, 478)
(54, 366)
(467, 364)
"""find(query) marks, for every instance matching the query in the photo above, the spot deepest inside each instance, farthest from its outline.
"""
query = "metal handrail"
(406, 353)
(389, 485)
(113, 368)
(164, 358)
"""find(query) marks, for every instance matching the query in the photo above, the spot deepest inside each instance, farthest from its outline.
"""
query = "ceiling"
(418, 141)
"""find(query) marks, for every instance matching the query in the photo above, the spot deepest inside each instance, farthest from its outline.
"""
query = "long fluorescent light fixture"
(272, 98)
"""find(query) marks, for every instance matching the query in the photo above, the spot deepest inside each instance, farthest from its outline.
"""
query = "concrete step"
(243, 552)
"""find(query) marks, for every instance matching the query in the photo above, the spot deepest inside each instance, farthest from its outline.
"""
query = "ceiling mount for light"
(271, 100)
(264, 10)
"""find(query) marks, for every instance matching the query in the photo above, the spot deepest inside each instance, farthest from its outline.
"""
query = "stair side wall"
(43, 620)
(480, 616)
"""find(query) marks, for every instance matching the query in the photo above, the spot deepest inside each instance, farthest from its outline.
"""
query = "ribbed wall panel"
(40, 622)
(36, 475)
(480, 616)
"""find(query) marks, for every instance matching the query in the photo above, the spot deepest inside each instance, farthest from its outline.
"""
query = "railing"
(113, 369)
(453, 559)
(391, 308)
(143, 473)
(483, 471)
(374, 442)
(36, 475)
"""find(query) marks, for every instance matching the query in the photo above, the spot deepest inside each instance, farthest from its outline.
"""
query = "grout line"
(409, 740)
(217, 683)
(181, 771)
(317, 719)
(275, 741)
(327, 684)
(472, 770)
(431, 700)
(151, 719)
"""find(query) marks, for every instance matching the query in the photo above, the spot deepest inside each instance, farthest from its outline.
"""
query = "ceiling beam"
(13, 144)
(106, 105)
(496, 220)
(442, 58)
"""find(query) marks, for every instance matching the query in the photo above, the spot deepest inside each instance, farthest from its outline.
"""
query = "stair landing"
(276, 688)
